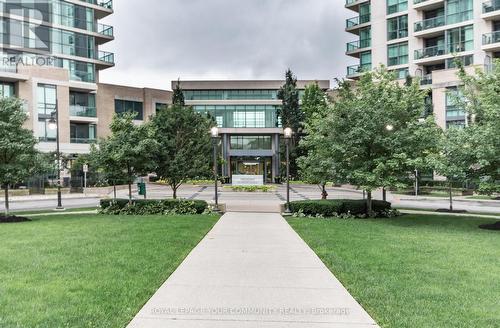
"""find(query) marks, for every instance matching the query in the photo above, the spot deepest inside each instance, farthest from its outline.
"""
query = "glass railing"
(107, 57)
(416, 2)
(83, 140)
(358, 69)
(358, 20)
(443, 50)
(105, 30)
(426, 79)
(108, 4)
(359, 44)
(430, 23)
(490, 6)
(82, 111)
(491, 38)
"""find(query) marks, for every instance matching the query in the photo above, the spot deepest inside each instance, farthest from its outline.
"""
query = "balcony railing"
(359, 44)
(430, 23)
(107, 57)
(108, 4)
(358, 20)
(426, 79)
(82, 111)
(443, 50)
(105, 30)
(490, 6)
(416, 2)
(83, 140)
(358, 69)
(491, 38)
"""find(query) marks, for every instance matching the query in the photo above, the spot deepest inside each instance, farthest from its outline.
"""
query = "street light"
(389, 127)
(288, 137)
(54, 125)
(215, 141)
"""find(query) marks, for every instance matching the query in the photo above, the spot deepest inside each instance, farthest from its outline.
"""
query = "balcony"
(491, 41)
(105, 30)
(103, 7)
(355, 71)
(354, 4)
(107, 59)
(354, 47)
(427, 24)
(427, 4)
(82, 111)
(431, 53)
(354, 23)
(426, 79)
(491, 10)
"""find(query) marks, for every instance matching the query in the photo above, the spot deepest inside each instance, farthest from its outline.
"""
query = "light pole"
(54, 125)
(288, 137)
(215, 141)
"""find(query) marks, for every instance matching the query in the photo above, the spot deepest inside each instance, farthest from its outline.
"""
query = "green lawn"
(414, 271)
(89, 270)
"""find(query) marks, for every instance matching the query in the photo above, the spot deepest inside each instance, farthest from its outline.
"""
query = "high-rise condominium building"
(51, 60)
(424, 38)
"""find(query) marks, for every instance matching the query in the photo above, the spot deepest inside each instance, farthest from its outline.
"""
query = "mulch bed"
(494, 226)
(13, 219)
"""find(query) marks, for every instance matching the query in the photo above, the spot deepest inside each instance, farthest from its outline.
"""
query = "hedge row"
(151, 207)
(329, 208)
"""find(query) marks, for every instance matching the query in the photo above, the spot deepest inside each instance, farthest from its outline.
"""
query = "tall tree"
(481, 98)
(184, 145)
(315, 167)
(290, 112)
(127, 152)
(371, 133)
(178, 97)
(456, 159)
(18, 156)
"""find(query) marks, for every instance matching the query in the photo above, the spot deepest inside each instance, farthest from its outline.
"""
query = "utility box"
(141, 187)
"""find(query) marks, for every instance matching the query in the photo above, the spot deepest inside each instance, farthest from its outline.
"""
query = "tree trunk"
(129, 192)
(324, 193)
(174, 189)
(369, 204)
(384, 194)
(7, 210)
(451, 197)
(114, 191)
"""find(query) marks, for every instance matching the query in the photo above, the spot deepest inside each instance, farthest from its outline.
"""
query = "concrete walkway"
(252, 270)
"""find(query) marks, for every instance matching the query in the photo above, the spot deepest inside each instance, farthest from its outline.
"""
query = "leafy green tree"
(371, 135)
(18, 156)
(184, 145)
(456, 158)
(178, 97)
(481, 98)
(128, 152)
(315, 167)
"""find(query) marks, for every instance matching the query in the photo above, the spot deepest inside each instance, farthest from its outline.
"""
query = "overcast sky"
(157, 41)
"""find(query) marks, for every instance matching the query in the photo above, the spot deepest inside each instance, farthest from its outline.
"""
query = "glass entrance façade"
(252, 166)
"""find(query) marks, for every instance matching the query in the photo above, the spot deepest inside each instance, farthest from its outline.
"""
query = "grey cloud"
(161, 40)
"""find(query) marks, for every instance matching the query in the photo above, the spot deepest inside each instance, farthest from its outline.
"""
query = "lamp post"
(389, 128)
(54, 125)
(288, 137)
(215, 141)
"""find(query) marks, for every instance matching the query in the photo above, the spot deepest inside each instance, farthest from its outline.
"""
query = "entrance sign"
(248, 180)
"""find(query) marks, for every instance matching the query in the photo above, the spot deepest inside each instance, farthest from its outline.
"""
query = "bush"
(252, 188)
(335, 208)
(151, 207)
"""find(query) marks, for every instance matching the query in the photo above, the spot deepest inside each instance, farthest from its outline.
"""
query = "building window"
(365, 61)
(402, 73)
(231, 94)
(395, 6)
(459, 11)
(465, 60)
(82, 104)
(251, 142)
(460, 39)
(397, 54)
(6, 90)
(397, 27)
(160, 107)
(241, 116)
(455, 115)
(44, 133)
(47, 99)
(127, 106)
(83, 133)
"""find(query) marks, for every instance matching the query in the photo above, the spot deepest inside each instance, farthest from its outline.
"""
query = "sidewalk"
(48, 197)
(252, 270)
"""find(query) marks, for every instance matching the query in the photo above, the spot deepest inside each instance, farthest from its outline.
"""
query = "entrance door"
(252, 166)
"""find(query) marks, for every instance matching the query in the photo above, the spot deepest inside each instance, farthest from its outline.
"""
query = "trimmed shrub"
(151, 207)
(336, 207)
